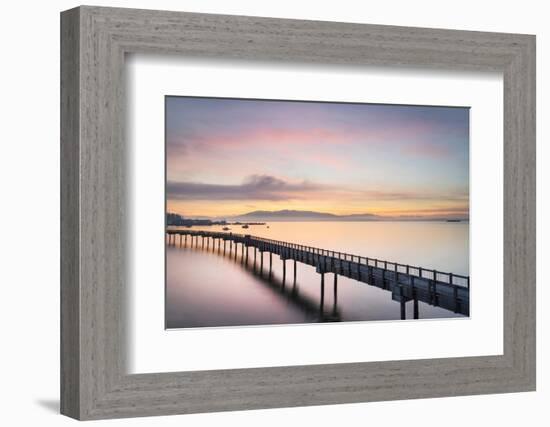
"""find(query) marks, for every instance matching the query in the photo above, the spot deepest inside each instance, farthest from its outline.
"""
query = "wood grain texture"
(70, 264)
(94, 203)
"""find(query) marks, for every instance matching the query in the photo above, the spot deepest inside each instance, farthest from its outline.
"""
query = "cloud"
(427, 148)
(254, 187)
(274, 189)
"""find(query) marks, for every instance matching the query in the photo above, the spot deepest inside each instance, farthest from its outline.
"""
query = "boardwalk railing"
(406, 282)
(420, 272)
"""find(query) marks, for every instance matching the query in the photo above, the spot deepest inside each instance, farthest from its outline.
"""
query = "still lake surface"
(206, 288)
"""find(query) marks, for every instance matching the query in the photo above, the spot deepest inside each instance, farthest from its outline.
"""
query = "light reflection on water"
(206, 288)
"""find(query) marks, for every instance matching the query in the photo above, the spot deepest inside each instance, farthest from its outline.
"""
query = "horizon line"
(361, 217)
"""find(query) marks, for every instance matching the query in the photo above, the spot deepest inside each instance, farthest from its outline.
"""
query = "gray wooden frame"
(94, 41)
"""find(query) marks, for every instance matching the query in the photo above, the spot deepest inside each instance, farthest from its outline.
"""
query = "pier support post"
(294, 273)
(270, 263)
(284, 271)
(261, 263)
(255, 250)
(403, 310)
(322, 303)
(224, 246)
(335, 290)
(415, 308)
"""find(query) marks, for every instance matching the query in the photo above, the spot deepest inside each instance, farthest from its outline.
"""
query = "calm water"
(206, 288)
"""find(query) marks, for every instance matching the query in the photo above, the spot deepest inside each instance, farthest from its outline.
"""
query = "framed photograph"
(263, 213)
(269, 185)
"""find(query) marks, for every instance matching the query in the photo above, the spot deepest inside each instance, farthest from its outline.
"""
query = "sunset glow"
(227, 157)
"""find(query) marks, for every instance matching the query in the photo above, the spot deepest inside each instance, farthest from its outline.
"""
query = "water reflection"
(287, 291)
(215, 283)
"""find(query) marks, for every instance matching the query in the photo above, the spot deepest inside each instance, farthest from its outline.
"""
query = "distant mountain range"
(295, 215)
(298, 215)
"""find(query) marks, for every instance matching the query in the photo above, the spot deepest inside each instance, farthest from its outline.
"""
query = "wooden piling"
(455, 297)
(322, 299)
(335, 290)
(261, 262)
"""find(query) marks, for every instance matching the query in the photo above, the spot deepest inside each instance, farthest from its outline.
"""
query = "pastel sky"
(231, 156)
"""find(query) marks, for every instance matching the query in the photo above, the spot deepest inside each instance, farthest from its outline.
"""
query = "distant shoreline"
(202, 223)
(286, 215)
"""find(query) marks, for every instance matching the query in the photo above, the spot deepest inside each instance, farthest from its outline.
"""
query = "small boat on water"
(453, 220)
(245, 226)
(226, 229)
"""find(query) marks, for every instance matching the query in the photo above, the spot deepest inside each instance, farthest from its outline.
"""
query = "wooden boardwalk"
(406, 283)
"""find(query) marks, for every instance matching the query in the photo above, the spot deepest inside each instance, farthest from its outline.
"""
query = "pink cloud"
(294, 137)
(427, 149)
